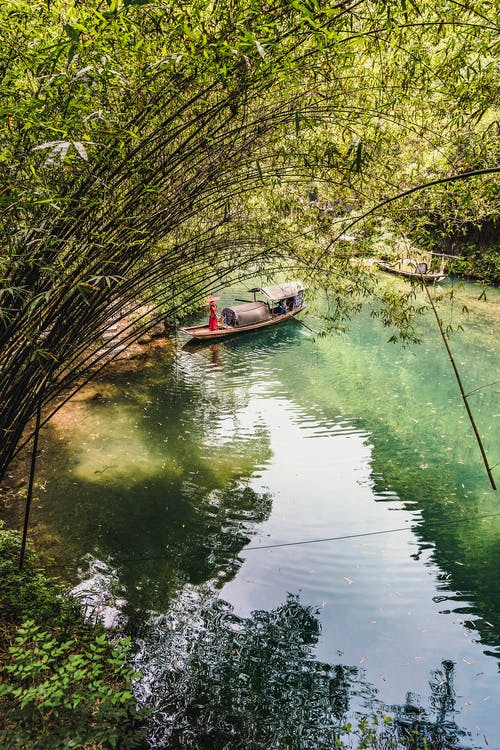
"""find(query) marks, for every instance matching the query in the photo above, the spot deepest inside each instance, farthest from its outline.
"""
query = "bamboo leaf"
(259, 172)
(359, 153)
(260, 49)
(81, 149)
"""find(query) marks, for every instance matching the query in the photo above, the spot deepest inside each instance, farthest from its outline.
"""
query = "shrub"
(64, 683)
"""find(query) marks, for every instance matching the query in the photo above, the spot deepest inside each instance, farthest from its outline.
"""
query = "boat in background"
(409, 269)
(282, 302)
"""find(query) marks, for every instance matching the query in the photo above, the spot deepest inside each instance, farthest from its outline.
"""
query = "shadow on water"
(214, 680)
(151, 493)
(157, 494)
(148, 477)
(196, 540)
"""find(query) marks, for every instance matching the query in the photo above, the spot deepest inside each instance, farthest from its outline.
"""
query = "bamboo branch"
(31, 483)
(462, 390)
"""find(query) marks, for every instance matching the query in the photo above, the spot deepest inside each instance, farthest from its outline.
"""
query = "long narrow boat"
(419, 271)
(283, 301)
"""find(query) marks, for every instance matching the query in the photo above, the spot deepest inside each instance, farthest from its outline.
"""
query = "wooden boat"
(409, 270)
(283, 301)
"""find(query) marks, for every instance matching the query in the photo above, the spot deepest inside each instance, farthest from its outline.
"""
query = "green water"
(169, 492)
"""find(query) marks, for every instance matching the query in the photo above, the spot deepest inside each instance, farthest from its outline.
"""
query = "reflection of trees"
(422, 452)
(415, 724)
(197, 540)
(185, 521)
(253, 683)
(451, 531)
(214, 680)
(185, 515)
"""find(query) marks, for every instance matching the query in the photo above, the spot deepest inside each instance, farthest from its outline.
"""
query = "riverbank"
(118, 357)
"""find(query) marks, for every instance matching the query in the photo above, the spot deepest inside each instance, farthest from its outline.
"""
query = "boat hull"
(204, 333)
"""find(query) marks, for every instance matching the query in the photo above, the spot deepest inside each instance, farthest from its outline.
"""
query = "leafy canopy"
(151, 150)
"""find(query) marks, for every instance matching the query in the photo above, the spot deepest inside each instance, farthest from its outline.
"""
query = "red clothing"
(213, 323)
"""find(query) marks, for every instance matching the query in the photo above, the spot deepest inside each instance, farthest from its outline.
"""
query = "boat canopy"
(280, 291)
(246, 314)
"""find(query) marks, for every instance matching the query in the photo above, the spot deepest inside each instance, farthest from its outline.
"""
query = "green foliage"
(148, 151)
(390, 309)
(61, 693)
(477, 262)
(24, 591)
(64, 684)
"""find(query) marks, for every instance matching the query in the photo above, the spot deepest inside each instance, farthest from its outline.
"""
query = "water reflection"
(153, 482)
(215, 680)
(423, 452)
(235, 350)
(459, 523)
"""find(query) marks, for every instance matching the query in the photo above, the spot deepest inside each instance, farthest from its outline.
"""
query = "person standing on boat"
(213, 323)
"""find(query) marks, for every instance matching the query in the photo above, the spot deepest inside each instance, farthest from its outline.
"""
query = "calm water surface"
(295, 528)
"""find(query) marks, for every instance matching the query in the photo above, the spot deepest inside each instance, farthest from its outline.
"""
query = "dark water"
(173, 490)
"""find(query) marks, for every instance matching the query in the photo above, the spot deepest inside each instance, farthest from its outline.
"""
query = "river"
(295, 529)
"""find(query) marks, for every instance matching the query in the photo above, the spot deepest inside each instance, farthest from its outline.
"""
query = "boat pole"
(462, 391)
(31, 483)
(301, 322)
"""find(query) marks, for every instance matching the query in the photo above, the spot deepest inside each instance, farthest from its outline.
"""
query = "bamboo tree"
(141, 142)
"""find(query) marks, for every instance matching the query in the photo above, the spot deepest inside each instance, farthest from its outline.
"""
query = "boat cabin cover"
(246, 314)
(257, 311)
(280, 291)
